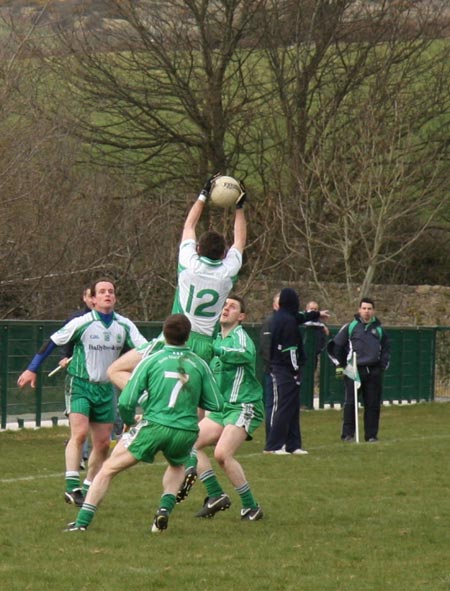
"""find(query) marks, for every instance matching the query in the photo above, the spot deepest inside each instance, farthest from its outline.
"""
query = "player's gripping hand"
(339, 373)
(242, 197)
(206, 191)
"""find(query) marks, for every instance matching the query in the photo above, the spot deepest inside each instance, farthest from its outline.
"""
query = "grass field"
(348, 517)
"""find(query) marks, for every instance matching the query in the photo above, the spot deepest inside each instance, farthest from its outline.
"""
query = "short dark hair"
(101, 280)
(367, 301)
(211, 245)
(238, 298)
(176, 329)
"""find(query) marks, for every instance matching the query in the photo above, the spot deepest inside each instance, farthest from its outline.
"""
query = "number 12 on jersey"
(209, 297)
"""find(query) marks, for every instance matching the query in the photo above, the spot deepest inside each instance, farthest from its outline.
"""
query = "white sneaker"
(299, 452)
(278, 452)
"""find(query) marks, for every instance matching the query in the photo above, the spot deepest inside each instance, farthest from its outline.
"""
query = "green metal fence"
(19, 340)
(420, 364)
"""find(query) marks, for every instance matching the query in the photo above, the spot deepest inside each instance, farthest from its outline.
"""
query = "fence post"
(38, 417)
(4, 375)
(307, 387)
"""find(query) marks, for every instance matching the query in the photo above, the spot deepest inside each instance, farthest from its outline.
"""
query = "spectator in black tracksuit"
(320, 332)
(265, 338)
(286, 360)
(372, 347)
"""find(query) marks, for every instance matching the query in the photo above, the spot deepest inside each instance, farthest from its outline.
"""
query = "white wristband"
(202, 197)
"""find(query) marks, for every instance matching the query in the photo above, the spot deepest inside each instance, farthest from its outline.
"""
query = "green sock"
(168, 502)
(85, 514)
(86, 485)
(72, 480)
(192, 462)
(247, 498)
(213, 487)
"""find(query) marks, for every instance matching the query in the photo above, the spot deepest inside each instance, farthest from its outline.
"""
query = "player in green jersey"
(169, 386)
(99, 336)
(233, 366)
(206, 274)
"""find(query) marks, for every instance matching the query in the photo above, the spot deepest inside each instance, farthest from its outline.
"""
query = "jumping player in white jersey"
(206, 274)
(99, 337)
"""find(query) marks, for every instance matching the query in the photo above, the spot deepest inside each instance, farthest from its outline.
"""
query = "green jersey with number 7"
(169, 386)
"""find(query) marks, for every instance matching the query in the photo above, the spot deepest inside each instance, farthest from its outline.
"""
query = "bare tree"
(358, 126)
(164, 89)
(336, 111)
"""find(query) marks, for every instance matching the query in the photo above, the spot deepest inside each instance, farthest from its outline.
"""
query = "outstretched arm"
(192, 220)
(196, 210)
(240, 223)
(30, 374)
(120, 370)
(240, 231)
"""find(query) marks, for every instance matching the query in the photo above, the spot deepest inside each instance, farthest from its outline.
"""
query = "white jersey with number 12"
(203, 286)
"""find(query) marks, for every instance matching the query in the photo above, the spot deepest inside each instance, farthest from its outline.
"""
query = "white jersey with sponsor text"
(97, 345)
(203, 286)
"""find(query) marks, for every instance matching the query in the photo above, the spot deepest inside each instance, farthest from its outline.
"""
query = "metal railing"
(419, 370)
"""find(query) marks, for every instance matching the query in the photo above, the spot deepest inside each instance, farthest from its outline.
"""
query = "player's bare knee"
(221, 456)
(78, 436)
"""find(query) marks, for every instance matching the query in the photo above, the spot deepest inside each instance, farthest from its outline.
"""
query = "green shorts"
(248, 416)
(146, 439)
(94, 400)
(202, 345)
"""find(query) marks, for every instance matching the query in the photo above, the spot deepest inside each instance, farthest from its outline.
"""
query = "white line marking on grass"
(60, 474)
(256, 455)
(31, 478)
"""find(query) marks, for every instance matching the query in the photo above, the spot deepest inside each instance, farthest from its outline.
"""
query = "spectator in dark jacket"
(265, 338)
(369, 341)
(286, 360)
(320, 332)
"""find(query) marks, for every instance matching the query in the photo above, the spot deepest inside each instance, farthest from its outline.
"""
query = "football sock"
(85, 514)
(192, 462)
(247, 498)
(86, 484)
(72, 480)
(211, 483)
(168, 502)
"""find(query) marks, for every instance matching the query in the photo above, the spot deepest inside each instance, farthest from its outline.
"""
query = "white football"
(225, 191)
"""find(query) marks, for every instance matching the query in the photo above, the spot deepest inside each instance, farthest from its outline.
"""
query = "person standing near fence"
(320, 331)
(265, 339)
(99, 337)
(287, 358)
(365, 337)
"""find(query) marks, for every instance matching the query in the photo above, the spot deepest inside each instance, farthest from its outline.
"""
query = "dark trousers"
(371, 391)
(268, 402)
(285, 424)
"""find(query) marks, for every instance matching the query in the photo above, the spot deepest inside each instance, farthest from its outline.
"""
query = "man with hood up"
(286, 360)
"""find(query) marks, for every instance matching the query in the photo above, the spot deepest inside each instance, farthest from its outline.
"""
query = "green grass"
(347, 517)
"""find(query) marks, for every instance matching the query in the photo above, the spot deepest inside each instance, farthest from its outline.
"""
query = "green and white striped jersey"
(96, 344)
(234, 367)
(203, 286)
(169, 386)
